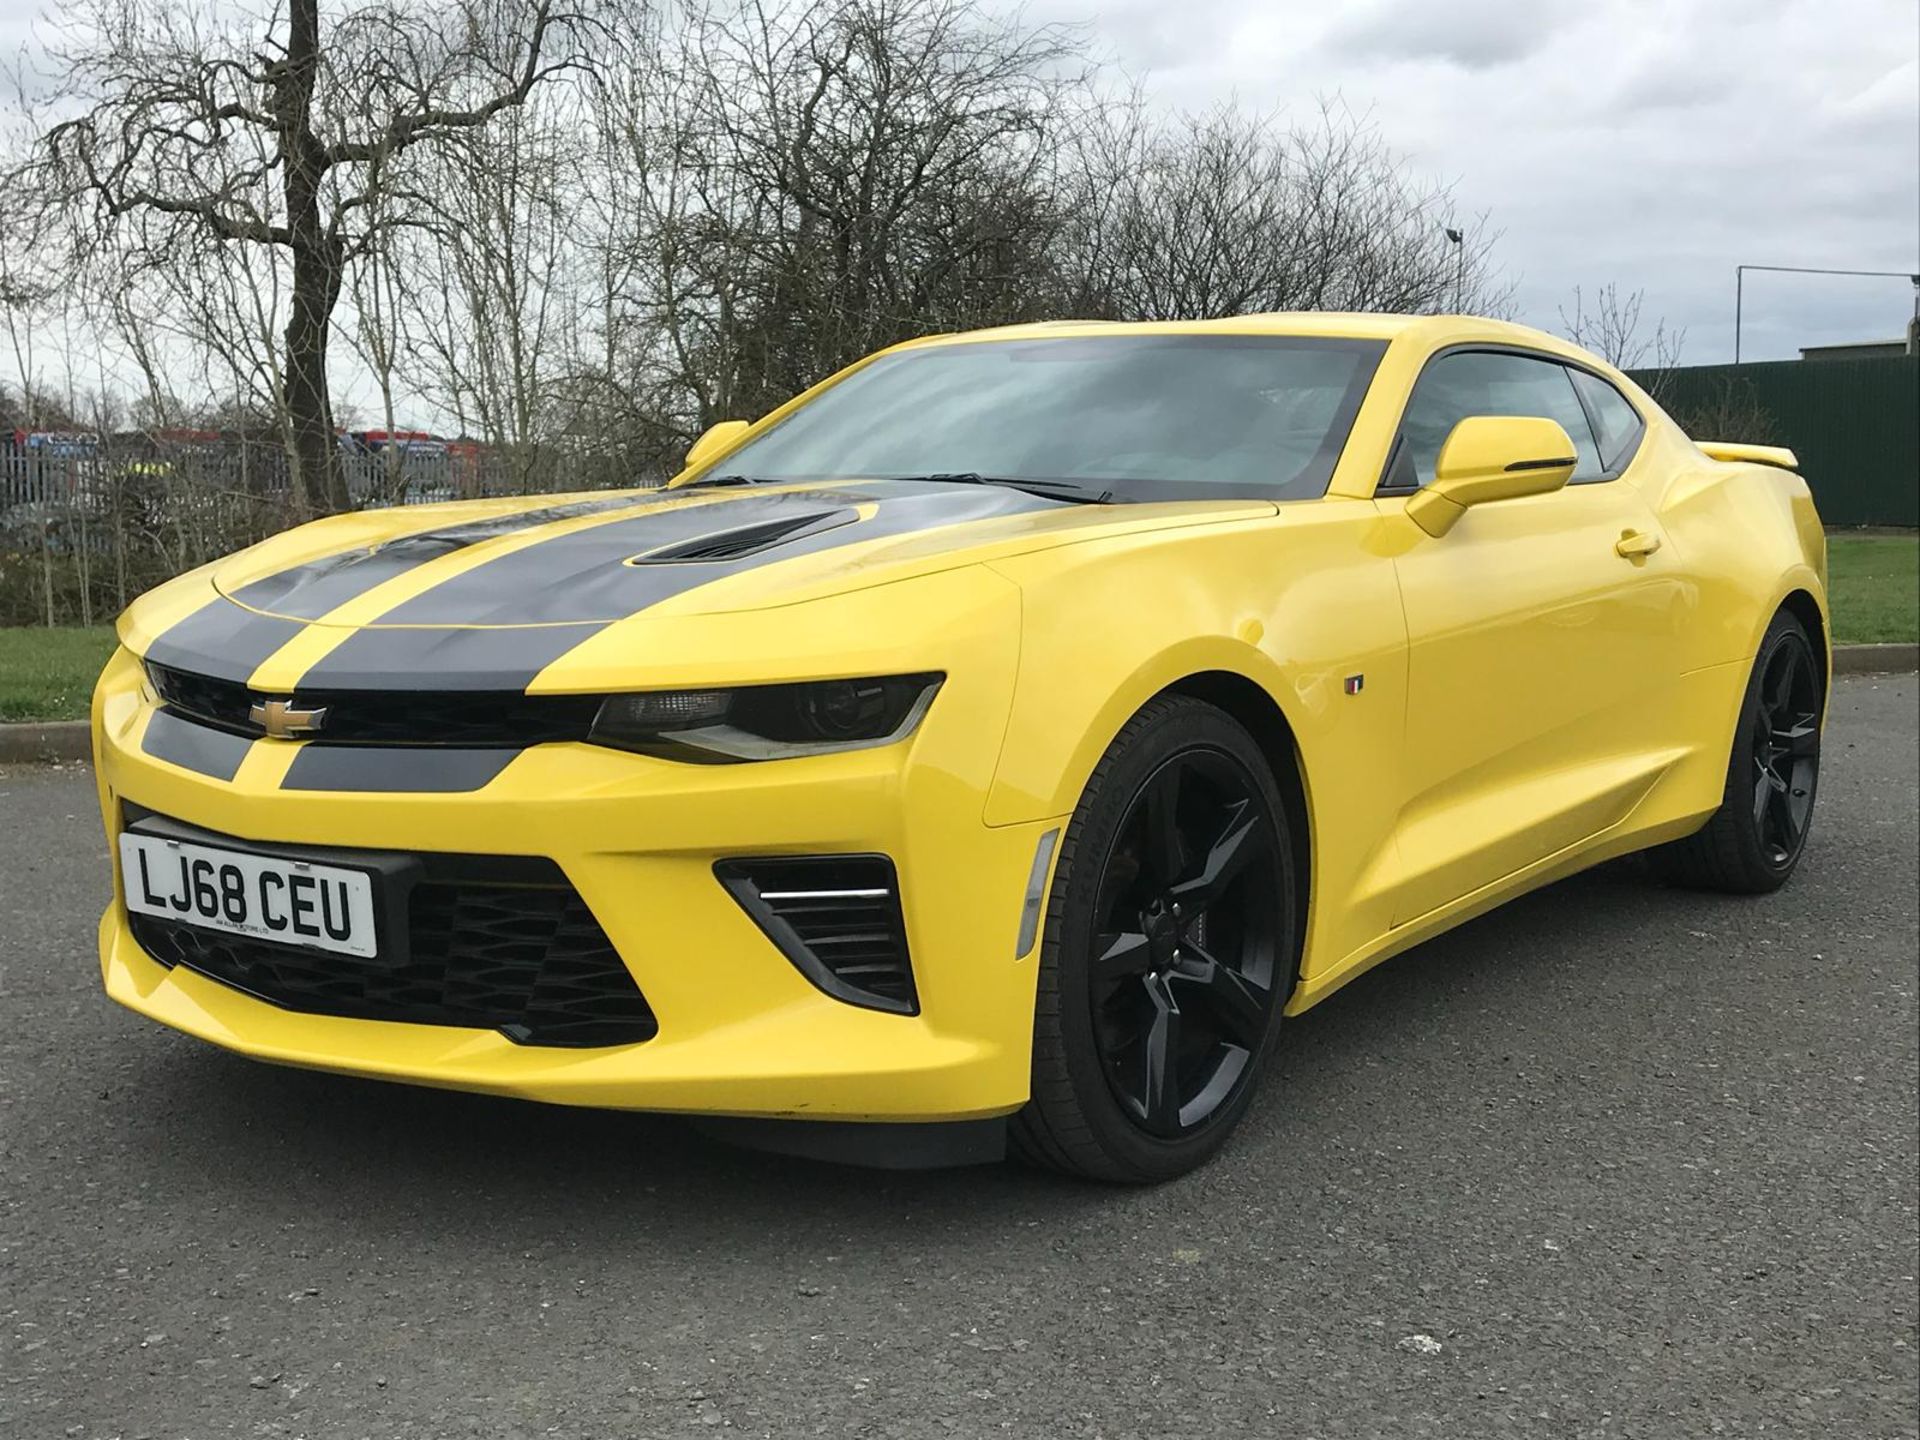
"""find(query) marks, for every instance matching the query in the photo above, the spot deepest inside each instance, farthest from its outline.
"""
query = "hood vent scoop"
(743, 541)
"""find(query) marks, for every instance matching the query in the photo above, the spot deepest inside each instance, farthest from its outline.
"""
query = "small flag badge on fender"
(1355, 684)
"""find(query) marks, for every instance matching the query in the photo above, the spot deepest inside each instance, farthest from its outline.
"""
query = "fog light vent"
(837, 918)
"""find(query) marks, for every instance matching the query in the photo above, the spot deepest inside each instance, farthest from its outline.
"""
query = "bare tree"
(1227, 212)
(1612, 329)
(29, 289)
(1725, 408)
(239, 127)
(494, 282)
(379, 311)
(830, 177)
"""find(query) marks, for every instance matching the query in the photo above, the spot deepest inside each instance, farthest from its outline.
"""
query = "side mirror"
(715, 440)
(1492, 457)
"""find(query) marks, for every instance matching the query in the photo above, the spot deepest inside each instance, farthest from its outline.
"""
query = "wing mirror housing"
(1488, 458)
(714, 441)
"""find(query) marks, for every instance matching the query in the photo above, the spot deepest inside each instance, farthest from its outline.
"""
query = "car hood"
(540, 574)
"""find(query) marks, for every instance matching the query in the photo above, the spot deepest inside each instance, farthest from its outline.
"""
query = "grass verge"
(49, 674)
(1874, 582)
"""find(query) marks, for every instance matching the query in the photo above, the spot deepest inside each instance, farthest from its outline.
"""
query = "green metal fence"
(1855, 424)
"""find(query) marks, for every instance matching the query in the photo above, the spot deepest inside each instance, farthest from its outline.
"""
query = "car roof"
(1427, 330)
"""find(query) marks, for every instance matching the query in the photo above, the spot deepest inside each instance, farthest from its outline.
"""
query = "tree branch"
(404, 130)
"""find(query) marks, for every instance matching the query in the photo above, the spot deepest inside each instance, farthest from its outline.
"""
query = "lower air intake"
(837, 918)
(527, 959)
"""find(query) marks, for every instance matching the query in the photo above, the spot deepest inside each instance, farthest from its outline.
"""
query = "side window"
(1487, 382)
(1616, 424)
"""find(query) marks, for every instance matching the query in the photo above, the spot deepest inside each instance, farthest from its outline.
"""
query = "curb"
(43, 740)
(1875, 659)
(50, 740)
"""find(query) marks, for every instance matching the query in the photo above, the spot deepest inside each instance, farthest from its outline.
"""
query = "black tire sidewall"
(1137, 754)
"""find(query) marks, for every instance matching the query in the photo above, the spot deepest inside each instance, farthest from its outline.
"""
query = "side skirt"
(1623, 839)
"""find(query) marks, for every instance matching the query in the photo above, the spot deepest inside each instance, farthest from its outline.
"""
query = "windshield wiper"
(1052, 489)
(721, 480)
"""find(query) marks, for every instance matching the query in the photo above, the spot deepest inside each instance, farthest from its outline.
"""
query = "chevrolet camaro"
(990, 746)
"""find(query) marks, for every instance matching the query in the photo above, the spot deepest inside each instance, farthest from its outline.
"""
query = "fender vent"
(743, 540)
(837, 918)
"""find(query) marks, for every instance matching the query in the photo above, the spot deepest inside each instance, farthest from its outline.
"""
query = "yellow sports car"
(990, 745)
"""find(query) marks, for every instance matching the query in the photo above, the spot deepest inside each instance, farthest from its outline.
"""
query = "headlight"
(766, 722)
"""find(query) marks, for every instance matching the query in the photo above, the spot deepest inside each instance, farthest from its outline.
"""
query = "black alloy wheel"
(1187, 942)
(1786, 752)
(1754, 841)
(1170, 951)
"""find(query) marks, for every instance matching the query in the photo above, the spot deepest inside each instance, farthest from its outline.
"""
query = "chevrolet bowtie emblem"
(281, 720)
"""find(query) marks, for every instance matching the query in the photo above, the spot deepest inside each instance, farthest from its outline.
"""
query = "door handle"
(1636, 545)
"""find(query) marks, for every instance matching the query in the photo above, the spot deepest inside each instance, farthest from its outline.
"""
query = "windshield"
(1147, 417)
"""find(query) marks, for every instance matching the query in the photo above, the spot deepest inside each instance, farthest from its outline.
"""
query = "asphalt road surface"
(1617, 1161)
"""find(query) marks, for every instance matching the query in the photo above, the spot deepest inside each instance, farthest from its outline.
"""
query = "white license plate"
(294, 902)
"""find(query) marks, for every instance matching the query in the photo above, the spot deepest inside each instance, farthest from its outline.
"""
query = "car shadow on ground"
(289, 1138)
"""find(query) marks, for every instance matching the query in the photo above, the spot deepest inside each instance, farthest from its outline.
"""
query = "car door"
(1540, 634)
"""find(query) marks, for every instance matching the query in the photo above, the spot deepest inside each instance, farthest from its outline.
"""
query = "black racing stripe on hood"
(222, 639)
(313, 589)
(194, 747)
(409, 769)
(583, 572)
(444, 658)
(582, 575)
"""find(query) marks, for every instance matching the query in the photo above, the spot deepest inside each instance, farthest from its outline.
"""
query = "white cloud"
(1654, 145)
(1470, 34)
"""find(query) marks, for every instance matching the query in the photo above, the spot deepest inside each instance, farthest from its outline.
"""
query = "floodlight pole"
(1740, 282)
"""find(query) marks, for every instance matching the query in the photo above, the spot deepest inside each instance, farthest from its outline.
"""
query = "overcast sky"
(1656, 145)
(1652, 143)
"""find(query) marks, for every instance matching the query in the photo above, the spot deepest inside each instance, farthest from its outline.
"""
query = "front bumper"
(741, 1030)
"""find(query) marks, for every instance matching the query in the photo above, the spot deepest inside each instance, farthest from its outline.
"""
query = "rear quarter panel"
(1749, 535)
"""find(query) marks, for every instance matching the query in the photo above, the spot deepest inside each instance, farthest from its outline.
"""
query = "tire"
(1158, 999)
(1754, 841)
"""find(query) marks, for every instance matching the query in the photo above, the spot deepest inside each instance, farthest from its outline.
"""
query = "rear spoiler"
(1775, 455)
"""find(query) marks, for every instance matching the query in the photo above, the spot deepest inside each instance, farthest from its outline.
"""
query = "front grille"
(470, 719)
(837, 918)
(527, 959)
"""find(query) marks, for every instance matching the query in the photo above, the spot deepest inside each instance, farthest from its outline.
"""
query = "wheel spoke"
(1779, 686)
(1124, 954)
(1786, 824)
(1225, 860)
(1762, 792)
(1165, 855)
(1800, 739)
(1235, 1004)
(1159, 1061)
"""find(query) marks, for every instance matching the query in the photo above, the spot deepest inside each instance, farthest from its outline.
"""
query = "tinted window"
(1616, 423)
(1474, 382)
(1146, 416)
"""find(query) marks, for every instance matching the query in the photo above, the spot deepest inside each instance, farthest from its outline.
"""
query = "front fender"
(1054, 741)
(1306, 605)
